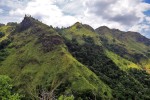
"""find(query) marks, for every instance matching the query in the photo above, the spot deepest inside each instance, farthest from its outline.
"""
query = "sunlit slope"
(122, 63)
(37, 56)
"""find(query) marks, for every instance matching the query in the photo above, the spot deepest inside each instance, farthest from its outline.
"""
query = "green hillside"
(38, 60)
(114, 69)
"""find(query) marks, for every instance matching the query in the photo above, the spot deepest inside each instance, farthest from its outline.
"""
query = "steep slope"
(38, 61)
(129, 45)
(115, 70)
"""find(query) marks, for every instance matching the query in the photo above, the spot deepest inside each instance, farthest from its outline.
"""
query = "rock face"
(27, 22)
(49, 42)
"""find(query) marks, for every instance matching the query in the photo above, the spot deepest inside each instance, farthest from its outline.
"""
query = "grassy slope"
(122, 63)
(5, 30)
(30, 67)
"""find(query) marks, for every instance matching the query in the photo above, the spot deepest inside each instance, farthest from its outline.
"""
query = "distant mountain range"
(77, 62)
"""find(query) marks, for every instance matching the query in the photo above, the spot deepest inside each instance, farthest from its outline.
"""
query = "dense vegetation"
(125, 85)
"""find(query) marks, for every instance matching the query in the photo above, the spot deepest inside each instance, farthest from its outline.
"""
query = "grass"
(122, 63)
(5, 30)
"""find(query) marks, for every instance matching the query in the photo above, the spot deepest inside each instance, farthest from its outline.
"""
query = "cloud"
(99, 7)
(1, 11)
(121, 14)
(71, 7)
(7, 6)
(13, 4)
(125, 12)
(46, 11)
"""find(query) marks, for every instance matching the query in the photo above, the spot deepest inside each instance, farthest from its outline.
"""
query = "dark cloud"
(99, 8)
(127, 19)
(104, 10)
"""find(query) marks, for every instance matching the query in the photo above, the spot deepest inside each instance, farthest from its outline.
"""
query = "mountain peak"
(28, 18)
(27, 22)
(78, 25)
(103, 27)
(89, 27)
(103, 30)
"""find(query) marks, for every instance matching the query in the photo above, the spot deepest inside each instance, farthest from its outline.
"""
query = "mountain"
(77, 62)
(130, 45)
(37, 59)
(107, 62)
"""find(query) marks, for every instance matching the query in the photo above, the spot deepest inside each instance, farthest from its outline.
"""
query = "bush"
(6, 88)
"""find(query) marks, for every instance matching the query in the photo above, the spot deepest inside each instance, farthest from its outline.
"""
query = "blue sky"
(147, 1)
(126, 15)
(148, 11)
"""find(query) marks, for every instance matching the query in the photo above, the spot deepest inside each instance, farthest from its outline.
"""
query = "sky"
(126, 15)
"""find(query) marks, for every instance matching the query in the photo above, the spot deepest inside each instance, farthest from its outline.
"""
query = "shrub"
(6, 88)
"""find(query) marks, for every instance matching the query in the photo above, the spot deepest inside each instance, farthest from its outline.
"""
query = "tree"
(5, 89)
(1, 34)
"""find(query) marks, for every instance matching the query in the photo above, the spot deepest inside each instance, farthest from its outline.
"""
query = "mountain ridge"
(76, 61)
